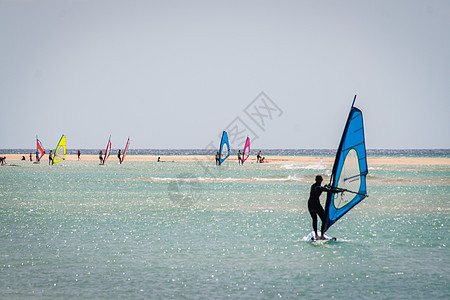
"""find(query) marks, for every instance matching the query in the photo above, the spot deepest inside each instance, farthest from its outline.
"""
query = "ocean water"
(192, 230)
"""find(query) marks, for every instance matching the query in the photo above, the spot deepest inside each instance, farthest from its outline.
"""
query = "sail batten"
(349, 169)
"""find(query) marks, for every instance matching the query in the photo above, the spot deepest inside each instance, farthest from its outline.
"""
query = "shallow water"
(194, 230)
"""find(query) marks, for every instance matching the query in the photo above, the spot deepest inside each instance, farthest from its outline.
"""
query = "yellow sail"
(60, 152)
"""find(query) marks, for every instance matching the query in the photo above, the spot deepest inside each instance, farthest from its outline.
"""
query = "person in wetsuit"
(314, 206)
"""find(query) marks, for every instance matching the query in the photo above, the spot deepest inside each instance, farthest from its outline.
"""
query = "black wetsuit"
(314, 206)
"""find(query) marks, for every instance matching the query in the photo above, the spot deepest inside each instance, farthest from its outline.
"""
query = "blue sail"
(224, 141)
(349, 169)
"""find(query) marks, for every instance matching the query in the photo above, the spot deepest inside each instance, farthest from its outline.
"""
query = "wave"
(297, 166)
(372, 180)
(277, 179)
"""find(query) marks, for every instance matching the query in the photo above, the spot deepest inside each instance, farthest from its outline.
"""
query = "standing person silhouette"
(119, 156)
(314, 206)
(217, 159)
(240, 158)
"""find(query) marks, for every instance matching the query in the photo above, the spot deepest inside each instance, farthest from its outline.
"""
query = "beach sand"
(269, 159)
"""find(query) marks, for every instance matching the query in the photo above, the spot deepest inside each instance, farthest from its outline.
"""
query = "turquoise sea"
(191, 230)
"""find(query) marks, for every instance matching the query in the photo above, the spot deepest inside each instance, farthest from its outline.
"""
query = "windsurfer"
(217, 159)
(240, 158)
(50, 158)
(314, 206)
(118, 155)
(100, 156)
(258, 157)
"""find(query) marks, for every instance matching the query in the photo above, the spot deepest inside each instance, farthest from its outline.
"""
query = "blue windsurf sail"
(224, 141)
(349, 169)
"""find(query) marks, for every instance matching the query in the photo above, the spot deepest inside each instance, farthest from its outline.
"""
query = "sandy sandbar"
(270, 159)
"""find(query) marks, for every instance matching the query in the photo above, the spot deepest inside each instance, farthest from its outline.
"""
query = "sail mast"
(108, 149)
(336, 159)
(61, 147)
(349, 169)
(224, 141)
(126, 148)
(246, 146)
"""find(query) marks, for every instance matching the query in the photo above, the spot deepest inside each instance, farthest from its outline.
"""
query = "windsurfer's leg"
(323, 218)
(314, 223)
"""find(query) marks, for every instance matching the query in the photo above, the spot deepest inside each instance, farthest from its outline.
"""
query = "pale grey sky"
(174, 74)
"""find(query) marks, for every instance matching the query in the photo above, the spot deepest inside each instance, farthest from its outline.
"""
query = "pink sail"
(108, 150)
(126, 148)
(245, 154)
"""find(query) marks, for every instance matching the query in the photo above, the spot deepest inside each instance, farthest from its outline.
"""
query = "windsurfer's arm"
(330, 189)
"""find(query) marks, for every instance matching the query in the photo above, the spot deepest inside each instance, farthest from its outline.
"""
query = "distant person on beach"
(79, 154)
(23, 158)
(217, 159)
(262, 159)
(314, 206)
(159, 158)
(100, 156)
(240, 158)
(258, 157)
(31, 156)
(119, 156)
(3, 160)
(50, 158)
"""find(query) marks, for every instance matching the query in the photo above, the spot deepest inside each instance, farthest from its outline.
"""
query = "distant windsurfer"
(50, 158)
(100, 156)
(119, 156)
(3, 160)
(258, 157)
(314, 206)
(79, 154)
(240, 158)
(217, 159)
(31, 157)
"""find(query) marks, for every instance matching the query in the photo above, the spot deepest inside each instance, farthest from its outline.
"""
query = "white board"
(311, 237)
